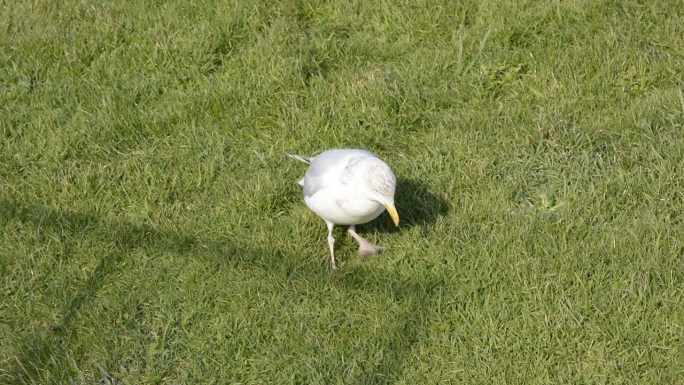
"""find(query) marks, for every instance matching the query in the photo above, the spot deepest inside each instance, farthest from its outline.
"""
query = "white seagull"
(348, 187)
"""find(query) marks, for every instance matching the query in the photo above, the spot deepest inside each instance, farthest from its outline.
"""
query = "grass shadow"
(416, 204)
(126, 237)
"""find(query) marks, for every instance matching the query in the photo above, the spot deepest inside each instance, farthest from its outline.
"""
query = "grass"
(152, 231)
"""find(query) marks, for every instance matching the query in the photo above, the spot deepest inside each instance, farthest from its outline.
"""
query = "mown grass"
(153, 232)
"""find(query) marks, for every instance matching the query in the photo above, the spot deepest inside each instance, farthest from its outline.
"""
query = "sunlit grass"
(152, 231)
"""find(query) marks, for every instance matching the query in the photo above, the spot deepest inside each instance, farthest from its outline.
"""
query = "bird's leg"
(365, 247)
(331, 244)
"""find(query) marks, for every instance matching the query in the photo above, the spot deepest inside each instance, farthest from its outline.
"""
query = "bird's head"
(382, 184)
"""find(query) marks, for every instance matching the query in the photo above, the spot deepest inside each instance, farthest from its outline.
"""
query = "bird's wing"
(312, 184)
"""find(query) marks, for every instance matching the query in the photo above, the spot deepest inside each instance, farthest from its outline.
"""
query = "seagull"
(348, 187)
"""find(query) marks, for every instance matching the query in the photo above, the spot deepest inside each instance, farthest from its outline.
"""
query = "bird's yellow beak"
(393, 213)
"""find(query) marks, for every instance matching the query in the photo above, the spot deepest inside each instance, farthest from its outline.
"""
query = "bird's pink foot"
(365, 247)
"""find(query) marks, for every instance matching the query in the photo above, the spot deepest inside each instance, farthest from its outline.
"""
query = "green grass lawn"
(152, 230)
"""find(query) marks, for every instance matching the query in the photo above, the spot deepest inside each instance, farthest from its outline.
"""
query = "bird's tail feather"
(300, 158)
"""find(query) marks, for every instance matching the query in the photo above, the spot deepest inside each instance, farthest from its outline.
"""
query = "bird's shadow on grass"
(41, 347)
(416, 204)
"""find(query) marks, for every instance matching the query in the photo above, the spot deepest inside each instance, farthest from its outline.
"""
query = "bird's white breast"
(343, 210)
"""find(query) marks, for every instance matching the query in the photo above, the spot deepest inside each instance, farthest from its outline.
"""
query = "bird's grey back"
(327, 159)
(323, 162)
